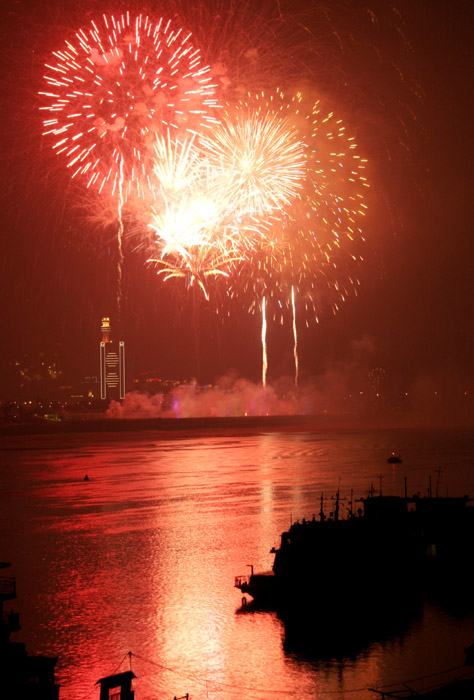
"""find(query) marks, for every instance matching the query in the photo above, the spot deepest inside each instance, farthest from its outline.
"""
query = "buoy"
(86, 478)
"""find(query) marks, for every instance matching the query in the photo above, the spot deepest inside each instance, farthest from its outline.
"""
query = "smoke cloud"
(353, 391)
(230, 397)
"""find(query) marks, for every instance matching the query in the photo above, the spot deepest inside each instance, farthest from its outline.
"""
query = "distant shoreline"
(205, 424)
(167, 428)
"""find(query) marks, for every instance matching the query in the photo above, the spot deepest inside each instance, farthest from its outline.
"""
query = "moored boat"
(390, 543)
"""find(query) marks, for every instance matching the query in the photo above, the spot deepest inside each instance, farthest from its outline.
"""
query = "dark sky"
(402, 81)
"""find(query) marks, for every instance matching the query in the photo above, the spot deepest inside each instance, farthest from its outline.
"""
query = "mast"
(322, 517)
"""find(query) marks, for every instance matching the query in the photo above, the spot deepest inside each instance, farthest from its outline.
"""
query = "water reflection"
(343, 626)
(336, 634)
(142, 557)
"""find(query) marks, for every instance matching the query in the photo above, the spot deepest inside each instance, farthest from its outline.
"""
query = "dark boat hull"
(392, 548)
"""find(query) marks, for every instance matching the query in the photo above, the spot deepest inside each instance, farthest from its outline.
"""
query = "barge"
(389, 545)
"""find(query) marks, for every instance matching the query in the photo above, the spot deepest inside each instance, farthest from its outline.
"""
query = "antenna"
(437, 481)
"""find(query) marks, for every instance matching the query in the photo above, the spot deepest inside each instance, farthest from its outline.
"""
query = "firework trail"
(264, 344)
(119, 240)
(295, 336)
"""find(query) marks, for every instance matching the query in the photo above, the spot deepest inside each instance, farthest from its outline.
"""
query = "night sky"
(402, 82)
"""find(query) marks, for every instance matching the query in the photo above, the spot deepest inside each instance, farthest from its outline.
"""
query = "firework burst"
(112, 86)
(193, 233)
(260, 155)
(308, 254)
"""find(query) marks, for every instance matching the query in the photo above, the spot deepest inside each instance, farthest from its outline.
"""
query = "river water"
(142, 558)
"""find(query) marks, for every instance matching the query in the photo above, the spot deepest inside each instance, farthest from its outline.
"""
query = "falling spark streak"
(189, 270)
(119, 241)
(264, 345)
(295, 348)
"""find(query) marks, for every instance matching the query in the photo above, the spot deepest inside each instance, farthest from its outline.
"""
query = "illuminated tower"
(105, 329)
(112, 365)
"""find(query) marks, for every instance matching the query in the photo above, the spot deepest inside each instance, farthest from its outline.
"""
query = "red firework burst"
(112, 87)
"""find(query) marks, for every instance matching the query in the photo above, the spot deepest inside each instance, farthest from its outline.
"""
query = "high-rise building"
(112, 365)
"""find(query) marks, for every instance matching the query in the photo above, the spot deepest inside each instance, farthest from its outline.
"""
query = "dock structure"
(117, 686)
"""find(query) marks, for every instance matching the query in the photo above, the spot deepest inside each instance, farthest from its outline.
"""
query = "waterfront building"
(112, 365)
